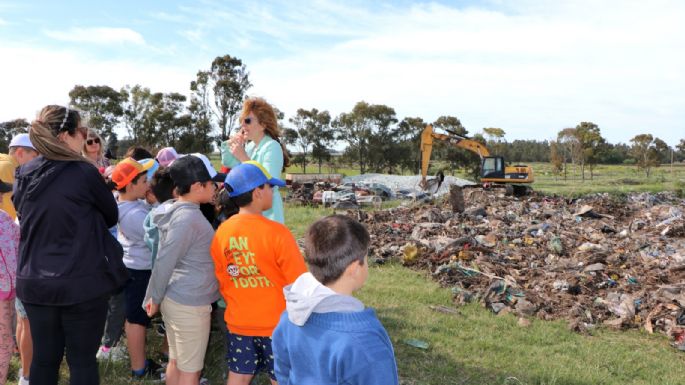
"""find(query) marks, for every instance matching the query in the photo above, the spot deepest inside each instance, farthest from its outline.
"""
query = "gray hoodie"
(307, 295)
(130, 234)
(184, 269)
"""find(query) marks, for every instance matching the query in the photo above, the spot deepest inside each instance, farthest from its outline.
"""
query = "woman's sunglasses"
(91, 141)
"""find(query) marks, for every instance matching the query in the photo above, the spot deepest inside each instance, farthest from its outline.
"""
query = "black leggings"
(78, 328)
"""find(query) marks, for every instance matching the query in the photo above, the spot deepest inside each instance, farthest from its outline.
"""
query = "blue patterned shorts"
(19, 307)
(249, 355)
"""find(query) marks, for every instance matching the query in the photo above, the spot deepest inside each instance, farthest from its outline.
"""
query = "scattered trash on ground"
(417, 343)
(363, 190)
(598, 260)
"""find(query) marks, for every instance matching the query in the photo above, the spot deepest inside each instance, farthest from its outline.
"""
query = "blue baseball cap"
(247, 176)
(153, 168)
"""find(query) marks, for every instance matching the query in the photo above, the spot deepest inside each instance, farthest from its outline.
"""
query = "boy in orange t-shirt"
(254, 258)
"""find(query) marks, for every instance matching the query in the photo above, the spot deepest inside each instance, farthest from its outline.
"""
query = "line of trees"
(375, 138)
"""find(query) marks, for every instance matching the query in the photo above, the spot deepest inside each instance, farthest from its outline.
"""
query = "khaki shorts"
(187, 329)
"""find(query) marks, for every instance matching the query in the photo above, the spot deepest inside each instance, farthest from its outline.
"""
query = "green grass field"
(475, 346)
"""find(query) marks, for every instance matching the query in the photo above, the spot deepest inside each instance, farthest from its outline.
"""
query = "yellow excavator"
(493, 171)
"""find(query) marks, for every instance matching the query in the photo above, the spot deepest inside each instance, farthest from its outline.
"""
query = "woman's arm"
(103, 199)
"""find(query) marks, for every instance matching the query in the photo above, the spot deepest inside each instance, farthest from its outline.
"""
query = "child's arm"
(176, 243)
(281, 356)
(216, 251)
(378, 372)
(290, 258)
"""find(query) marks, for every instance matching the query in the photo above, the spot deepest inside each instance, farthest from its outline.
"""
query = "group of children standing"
(300, 325)
(326, 333)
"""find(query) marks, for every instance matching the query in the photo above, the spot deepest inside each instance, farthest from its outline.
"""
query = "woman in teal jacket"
(258, 140)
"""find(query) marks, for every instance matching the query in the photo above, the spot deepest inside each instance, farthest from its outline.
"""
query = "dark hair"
(183, 189)
(333, 243)
(162, 186)
(245, 198)
(227, 206)
(113, 186)
(138, 153)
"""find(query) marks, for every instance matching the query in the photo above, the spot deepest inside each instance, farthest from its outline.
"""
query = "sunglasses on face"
(91, 141)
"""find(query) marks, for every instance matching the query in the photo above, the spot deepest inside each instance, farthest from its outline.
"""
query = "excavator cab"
(492, 167)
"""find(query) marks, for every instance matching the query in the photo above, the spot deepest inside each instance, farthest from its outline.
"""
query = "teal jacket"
(270, 155)
(151, 236)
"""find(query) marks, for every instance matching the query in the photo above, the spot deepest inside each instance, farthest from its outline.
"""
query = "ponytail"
(53, 120)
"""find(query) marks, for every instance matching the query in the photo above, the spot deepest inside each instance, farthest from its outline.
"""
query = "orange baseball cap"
(126, 170)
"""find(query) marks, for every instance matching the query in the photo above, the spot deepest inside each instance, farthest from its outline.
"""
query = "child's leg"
(172, 373)
(135, 341)
(115, 320)
(239, 379)
(136, 318)
(6, 340)
(24, 339)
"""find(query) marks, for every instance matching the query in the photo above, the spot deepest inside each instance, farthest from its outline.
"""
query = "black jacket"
(65, 210)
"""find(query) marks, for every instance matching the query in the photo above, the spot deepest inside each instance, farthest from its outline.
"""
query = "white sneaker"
(103, 353)
(115, 353)
(118, 353)
(20, 376)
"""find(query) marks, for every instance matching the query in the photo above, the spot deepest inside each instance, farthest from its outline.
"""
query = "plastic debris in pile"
(597, 260)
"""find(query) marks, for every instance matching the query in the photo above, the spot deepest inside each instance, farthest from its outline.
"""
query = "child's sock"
(140, 372)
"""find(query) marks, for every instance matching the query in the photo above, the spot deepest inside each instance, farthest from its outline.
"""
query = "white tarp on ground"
(396, 182)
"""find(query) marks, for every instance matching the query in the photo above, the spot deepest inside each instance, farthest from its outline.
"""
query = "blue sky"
(529, 67)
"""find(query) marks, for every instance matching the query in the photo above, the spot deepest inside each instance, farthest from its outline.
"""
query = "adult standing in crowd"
(20, 152)
(94, 149)
(259, 140)
(67, 269)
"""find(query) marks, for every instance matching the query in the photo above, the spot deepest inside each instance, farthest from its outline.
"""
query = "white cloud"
(39, 76)
(531, 73)
(100, 35)
(531, 69)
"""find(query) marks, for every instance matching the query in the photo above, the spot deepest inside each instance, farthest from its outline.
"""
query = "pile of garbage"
(366, 189)
(598, 260)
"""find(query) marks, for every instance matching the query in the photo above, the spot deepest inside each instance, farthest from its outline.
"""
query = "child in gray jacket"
(183, 284)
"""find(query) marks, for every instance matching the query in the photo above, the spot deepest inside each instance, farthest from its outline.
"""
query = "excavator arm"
(493, 168)
(427, 137)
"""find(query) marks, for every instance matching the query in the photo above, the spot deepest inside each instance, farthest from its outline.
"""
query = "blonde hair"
(53, 120)
(266, 116)
(94, 134)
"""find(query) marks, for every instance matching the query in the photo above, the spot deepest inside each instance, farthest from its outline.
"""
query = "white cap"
(21, 140)
(217, 177)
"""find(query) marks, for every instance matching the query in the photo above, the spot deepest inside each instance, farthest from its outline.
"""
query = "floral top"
(9, 247)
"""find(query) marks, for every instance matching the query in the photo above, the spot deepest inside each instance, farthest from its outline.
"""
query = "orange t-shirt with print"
(254, 258)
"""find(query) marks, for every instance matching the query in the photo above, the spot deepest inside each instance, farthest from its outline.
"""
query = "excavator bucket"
(432, 185)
